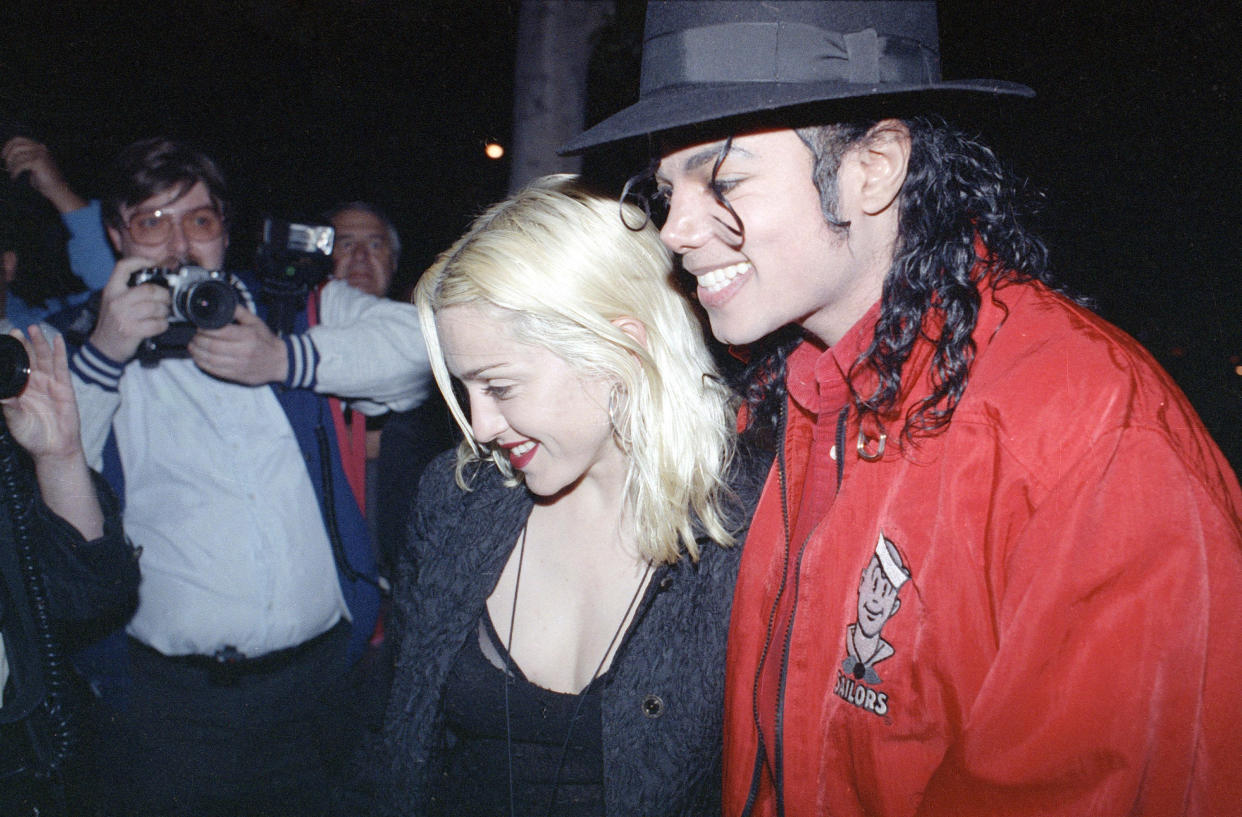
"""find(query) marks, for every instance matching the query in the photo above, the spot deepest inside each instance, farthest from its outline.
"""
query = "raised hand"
(43, 419)
(22, 154)
(128, 314)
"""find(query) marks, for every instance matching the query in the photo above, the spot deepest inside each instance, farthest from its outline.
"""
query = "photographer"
(62, 556)
(252, 603)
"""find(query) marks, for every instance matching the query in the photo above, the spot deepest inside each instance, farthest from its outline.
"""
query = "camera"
(201, 299)
(205, 298)
(14, 367)
(292, 259)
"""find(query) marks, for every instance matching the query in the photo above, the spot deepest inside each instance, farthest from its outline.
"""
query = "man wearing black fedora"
(1005, 483)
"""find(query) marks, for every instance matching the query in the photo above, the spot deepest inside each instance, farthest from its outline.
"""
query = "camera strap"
(351, 428)
(351, 438)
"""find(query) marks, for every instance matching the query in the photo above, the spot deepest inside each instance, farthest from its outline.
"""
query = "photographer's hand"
(244, 352)
(24, 155)
(128, 314)
(43, 419)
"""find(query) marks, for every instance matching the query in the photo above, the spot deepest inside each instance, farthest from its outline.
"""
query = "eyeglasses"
(156, 226)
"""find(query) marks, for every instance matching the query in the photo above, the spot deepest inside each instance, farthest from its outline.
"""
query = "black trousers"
(190, 742)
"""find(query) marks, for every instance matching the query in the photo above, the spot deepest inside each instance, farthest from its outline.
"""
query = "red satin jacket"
(1037, 611)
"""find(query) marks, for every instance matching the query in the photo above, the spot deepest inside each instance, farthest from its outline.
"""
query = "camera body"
(201, 299)
(14, 366)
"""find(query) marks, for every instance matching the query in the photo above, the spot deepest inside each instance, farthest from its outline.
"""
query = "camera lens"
(14, 366)
(209, 304)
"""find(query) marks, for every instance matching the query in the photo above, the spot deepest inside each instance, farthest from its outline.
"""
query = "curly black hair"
(956, 193)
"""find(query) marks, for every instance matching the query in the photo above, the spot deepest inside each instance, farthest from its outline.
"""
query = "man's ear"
(632, 327)
(114, 238)
(884, 158)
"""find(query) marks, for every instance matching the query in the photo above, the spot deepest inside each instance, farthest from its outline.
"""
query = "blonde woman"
(565, 594)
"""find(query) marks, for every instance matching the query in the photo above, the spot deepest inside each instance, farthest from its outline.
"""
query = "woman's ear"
(884, 158)
(632, 327)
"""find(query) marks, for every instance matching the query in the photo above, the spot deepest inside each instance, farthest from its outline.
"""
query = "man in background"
(398, 445)
(366, 248)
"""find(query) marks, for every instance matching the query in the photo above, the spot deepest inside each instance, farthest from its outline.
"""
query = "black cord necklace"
(573, 718)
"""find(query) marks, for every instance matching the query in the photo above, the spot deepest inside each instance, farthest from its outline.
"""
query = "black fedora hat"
(705, 60)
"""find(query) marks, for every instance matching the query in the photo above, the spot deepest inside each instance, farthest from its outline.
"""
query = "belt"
(228, 665)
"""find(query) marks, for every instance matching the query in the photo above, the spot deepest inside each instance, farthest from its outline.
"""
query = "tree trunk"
(554, 43)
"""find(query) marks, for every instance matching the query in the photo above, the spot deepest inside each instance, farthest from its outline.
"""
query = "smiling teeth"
(718, 279)
(521, 449)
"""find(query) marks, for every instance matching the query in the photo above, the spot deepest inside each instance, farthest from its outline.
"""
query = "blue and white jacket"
(362, 347)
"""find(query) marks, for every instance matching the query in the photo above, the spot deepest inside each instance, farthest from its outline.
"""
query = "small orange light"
(1237, 370)
(493, 150)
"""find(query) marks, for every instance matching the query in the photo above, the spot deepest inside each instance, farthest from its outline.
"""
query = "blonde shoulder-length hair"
(563, 264)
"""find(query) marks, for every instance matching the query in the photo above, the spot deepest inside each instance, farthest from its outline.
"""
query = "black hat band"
(782, 52)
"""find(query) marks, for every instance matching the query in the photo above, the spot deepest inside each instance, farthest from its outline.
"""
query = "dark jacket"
(663, 702)
(81, 580)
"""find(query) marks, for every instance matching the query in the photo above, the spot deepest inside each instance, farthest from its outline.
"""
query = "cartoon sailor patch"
(878, 601)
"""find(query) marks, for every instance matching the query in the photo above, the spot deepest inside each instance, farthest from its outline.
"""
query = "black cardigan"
(664, 700)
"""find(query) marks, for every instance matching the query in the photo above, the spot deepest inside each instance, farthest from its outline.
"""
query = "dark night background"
(308, 102)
